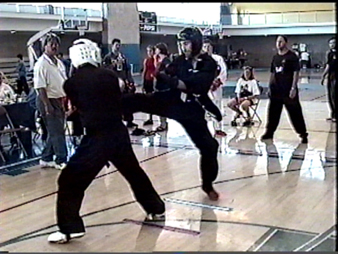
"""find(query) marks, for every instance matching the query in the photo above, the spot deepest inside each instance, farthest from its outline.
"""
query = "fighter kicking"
(187, 78)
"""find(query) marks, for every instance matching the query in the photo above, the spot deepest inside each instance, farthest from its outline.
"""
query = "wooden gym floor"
(275, 196)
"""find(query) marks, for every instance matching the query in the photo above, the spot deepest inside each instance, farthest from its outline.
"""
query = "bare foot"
(212, 194)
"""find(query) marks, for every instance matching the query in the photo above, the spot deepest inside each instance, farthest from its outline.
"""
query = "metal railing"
(186, 21)
(49, 9)
(236, 19)
(325, 16)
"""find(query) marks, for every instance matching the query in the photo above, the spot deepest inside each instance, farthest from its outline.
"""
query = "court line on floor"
(29, 236)
(318, 97)
(263, 240)
(52, 193)
(315, 241)
(198, 204)
(164, 227)
(170, 192)
(145, 160)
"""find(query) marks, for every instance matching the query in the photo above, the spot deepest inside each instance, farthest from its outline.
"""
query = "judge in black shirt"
(96, 95)
(330, 73)
(118, 63)
(283, 90)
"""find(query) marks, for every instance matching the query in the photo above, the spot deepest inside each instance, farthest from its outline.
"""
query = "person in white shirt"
(6, 91)
(216, 91)
(304, 59)
(247, 91)
(49, 76)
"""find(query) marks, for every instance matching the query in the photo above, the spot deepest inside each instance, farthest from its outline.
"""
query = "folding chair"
(254, 106)
(12, 131)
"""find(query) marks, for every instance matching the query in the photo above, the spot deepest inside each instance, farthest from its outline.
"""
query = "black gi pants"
(294, 110)
(77, 125)
(22, 85)
(128, 117)
(94, 151)
(190, 115)
(331, 94)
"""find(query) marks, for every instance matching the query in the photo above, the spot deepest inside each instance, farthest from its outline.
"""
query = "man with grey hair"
(49, 76)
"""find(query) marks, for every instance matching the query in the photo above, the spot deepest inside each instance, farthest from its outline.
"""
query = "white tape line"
(191, 203)
(170, 228)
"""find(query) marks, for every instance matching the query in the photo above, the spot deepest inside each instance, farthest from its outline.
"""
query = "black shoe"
(233, 123)
(248, 123)
(148, 122)
(131, 125)
(267, 136)
(304, 138)
(138, 132)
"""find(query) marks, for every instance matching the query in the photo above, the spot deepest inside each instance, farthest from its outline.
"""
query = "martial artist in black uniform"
(189, 76)
(283, 90)
(96, 95)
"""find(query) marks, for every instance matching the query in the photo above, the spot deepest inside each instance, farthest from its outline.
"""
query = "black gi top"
(199, 79)
(119, 64)
(96, 94)
(332, 62)
(283, 67)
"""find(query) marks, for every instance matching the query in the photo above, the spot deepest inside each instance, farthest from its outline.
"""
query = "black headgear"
(193, 34)
(50, 37)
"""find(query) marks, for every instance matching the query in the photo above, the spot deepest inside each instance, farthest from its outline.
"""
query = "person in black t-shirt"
(283, 90)
(118, 63)
(96, 94)
(330, 71)
(187, 78)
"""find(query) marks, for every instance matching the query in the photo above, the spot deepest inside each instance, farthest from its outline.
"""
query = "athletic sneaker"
(47, 164)
(60, 166)
(155, 217)
(58, 237)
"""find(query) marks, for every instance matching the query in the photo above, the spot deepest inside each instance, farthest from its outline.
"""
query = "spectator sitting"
(247, 91)
(6, 91)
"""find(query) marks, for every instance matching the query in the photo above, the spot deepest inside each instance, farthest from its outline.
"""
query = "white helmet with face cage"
(85, 51)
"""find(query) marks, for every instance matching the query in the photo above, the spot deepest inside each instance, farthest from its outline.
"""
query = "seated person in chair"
(247, 91)
(6, 91)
